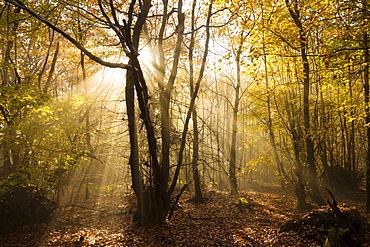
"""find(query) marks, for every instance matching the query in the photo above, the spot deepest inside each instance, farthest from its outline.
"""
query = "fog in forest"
(184, 123)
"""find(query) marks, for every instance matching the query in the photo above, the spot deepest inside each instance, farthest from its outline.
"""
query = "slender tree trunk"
(299, 182)
(279, 164)
(10, 155)
(198, 191)
(234, 130)
(192, 100)
(367, 102)
(351, 158)
(43, 68)
(166, 88)
(164, 96)
(11, 49)
(197, 184)
(52, 69)
(310, 148)
(137, 184)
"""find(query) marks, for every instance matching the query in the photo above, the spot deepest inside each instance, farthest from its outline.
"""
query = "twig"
(177, 198)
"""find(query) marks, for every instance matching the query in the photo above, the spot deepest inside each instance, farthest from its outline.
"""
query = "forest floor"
(217, 222)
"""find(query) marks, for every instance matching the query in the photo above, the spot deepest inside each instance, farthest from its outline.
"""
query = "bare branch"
(21, 5)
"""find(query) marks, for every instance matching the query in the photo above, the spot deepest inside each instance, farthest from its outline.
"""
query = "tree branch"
(21, 5)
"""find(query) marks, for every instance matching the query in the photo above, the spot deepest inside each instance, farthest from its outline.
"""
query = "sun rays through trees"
(165, 99)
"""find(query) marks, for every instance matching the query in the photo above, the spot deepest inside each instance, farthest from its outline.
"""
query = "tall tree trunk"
(367, 101)
(137, 183)
(198, 191)
(197, 184)
(351, 157)
(10, 46)
(192, 100)
(166, 88)
(310, 148)
(279, 164)
(296, 133)
(234, 126)
(154, 202)
(52, 69)
(164, 96)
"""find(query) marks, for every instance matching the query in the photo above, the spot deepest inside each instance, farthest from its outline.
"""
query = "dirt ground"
(217, 222)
